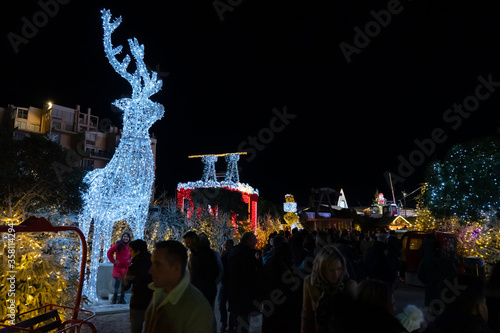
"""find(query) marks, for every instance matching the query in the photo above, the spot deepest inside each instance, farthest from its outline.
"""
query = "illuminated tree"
(466, 183)
(122, 190)
(425, 219)
(46, 264)
(47, 267)
(28, 182)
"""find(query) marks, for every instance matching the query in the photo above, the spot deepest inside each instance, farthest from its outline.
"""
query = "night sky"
(334, 93)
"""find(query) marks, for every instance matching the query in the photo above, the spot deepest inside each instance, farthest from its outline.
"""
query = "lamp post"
(49, 108)
(404, 201)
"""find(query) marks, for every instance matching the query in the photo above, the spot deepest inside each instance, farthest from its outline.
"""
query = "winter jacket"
(245, 280)
(204, 271)
(311, 295)
(452, 322)
(183, 310)
(123, 258)
(138, 276)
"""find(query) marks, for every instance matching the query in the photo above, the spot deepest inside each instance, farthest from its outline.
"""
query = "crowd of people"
(302, 282)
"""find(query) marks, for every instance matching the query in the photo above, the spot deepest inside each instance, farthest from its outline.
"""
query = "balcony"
(103, 154)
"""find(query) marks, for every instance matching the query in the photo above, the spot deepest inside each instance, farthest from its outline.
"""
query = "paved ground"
(115, 318)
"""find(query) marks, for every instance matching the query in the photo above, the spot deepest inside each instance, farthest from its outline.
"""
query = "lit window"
(34, 127)
(21, 125)
(22, 114)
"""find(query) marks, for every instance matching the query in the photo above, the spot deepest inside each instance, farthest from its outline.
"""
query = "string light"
(466, 183)
(231, 182)
(209, 180)
(122, 190)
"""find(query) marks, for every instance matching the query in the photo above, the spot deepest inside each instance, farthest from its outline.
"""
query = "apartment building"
(71, 128)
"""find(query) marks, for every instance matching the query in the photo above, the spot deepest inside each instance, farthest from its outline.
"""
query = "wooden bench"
(52, 318)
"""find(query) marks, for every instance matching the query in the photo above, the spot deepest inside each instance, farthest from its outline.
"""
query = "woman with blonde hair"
(327, 286)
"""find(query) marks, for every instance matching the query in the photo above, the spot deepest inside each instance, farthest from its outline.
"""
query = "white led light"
(208, 180)
(122, 190)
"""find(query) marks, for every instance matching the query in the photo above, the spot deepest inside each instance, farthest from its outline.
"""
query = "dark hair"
(376, 294)
(121, 244)
(470, 292)
(246, 237)
(176, 252)
(191, 234)
(138, 245)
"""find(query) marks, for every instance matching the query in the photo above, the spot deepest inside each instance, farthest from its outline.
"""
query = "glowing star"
(122, 190)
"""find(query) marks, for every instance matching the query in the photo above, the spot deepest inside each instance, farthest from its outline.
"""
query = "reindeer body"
(122, 189)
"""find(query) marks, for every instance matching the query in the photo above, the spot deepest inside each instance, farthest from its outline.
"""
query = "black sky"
(222, 80)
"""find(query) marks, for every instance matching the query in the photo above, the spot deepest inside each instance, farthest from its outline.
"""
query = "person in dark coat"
(466, 311)
(284, 314)
(375, 300)
(377, 263)
(138, 277)
(223, 291)
(245, 272)
(203, 266)
(433, 269)
(493, 298)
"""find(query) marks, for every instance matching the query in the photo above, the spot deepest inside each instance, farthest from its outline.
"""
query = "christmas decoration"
(342, 202)
(290, 207)
(425, 219)
(46, 269)
(122, 190)
(209, 180)
(466, 183)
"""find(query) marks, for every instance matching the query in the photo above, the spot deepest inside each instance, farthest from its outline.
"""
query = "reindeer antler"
(151, 84)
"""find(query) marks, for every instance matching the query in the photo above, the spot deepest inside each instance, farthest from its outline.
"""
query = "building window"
(88, 164)
(34, 127)
(22, 114)
(69, 128)
(90, 150)
(56, 113)
(69, 117)
(19, 136)
(90, 138)
(21, 125)
(56, 125)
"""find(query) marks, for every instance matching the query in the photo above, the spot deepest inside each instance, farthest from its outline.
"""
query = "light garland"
(122, 190)
(231, 181)
(466, 184)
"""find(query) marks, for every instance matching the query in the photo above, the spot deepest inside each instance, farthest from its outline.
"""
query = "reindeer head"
(139, 111)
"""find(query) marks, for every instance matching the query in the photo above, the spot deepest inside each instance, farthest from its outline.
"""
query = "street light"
(404, 200)
(49, 108)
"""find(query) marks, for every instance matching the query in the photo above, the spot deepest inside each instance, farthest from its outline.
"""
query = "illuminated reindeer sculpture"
(122, 190)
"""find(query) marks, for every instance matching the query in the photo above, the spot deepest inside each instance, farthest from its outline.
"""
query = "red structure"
(231, 182)
(185, 203)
